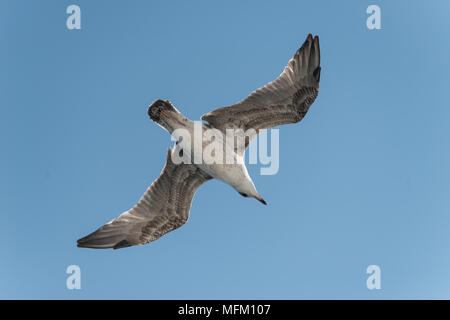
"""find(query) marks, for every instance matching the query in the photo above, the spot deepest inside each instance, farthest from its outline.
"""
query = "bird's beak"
(260, 199)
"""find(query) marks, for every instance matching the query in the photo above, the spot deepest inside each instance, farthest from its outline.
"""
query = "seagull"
(166, 203)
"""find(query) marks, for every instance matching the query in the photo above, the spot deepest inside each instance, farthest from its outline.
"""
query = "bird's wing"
(282, 101)
(163, 207)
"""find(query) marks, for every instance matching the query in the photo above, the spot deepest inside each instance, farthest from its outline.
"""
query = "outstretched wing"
(164, 207)
(282, 101)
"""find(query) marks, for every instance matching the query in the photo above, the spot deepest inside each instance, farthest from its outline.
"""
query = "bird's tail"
(165, 115)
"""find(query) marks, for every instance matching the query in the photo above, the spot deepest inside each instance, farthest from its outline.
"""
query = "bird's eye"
(243, 194)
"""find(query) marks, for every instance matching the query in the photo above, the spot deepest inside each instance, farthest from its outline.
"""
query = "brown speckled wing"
(164, 207)
(282, 101)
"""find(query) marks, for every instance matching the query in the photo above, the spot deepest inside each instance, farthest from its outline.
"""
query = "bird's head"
(247, 189)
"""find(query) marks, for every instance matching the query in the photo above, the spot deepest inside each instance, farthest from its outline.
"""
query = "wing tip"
(96, 241)
(86, 243)
(316, 73)
(310, 50)
(311, 38)
(93, 245)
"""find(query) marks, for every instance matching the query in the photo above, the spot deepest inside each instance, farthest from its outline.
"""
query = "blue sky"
(363, 179)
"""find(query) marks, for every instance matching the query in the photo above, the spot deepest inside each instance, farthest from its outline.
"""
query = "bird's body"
(166, 204)
(233, 173)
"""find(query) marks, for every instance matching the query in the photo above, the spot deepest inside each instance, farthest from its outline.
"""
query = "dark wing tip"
(317, 48)
(92, 244)
(86, 243)
(310, 50)
(100, 240)
(316, 74)
(81, 243)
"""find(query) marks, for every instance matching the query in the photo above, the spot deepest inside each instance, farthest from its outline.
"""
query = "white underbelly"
(230, 174)
(229, 167)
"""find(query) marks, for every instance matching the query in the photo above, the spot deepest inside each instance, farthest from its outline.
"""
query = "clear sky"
(363, 179)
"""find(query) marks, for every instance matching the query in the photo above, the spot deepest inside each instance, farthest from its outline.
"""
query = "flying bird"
(166, 204)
